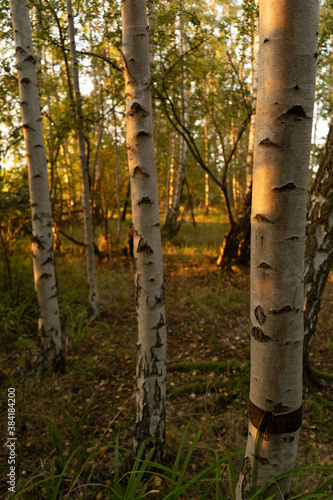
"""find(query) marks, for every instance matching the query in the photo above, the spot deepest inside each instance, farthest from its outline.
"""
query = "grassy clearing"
(208, 359)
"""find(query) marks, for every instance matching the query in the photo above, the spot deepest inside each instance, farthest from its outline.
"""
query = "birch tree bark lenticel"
(42, 237)
(286, 87)
(151, 351)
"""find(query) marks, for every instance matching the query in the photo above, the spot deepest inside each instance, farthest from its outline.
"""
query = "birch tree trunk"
(172, 222)
(207, 163)
(42, 225)
(255, 66)
(89, 239)
(286, 87)
(151, 353)
(236, 244)
(319, 242)
(170, 178)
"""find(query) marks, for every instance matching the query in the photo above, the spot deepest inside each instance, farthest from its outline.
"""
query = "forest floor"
(208, 370)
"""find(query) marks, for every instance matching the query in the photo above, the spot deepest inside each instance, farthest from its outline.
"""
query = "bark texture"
(151, 352)
(319, 242)
(42, 226)
(286, 87)
(172, 224)
(89, 239)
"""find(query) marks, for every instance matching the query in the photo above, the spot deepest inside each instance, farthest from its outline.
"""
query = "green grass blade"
(188, 458)
(138, 471)
(231, 472)
(117, 487)
(178, 456)
(53, 430)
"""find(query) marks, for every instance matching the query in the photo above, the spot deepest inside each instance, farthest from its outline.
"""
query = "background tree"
(89, 238)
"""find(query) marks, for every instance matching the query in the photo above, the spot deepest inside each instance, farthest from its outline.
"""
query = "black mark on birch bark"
(30, 59)
(293, 238)
(25, 80)
(280, 408)
(262, 218)
(158, 340)
(49, 260)
(145, 200)
(282, 310)
(296, 87)
(259, 335)
(26, 126)
(263, 265)
(137, 290)
(144, 247)
(266, 40)
(157, 395)
(160, 323)
(137, 108)
(287, 187)
(288, 439)
(140, 171)
(260, 315)
(45, 276)
(143, 133)
(159, 300)
(35, 239)
(294, 113)
(267, 142)
(20, 49)
(261, 460)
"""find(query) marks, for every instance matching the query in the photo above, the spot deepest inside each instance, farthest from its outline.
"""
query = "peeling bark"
(288, 39)
(42, 237)
(151, 353)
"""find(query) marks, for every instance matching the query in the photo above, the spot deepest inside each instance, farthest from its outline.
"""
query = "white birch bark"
(183, 149)
(286, 87)
(170, 178)
(207, 163)
(151, 353)
(89, 239)
(42, 236)
(255, 67)
(151, 26)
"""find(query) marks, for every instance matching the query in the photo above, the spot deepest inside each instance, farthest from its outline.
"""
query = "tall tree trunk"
(42, 236)
(151, 353)
(170, 178)
(287, 71)
(319, 243)
(255, 66)
(127, 199)
(172, 223)
(207, 163)
(89, 239)
(116, 157)
(151, 26)
(236, 244)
